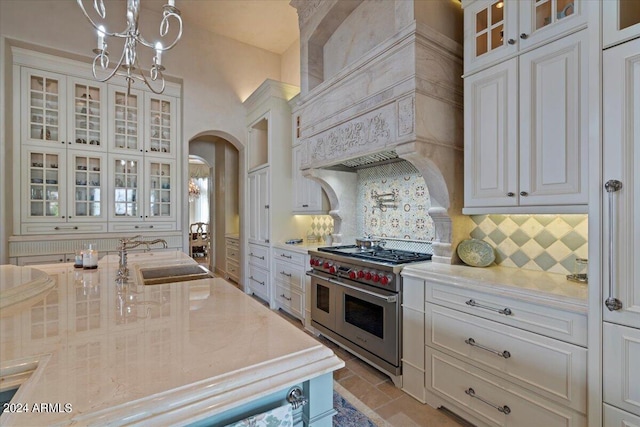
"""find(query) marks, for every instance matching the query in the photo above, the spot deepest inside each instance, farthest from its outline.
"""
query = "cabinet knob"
(524, 193)
(266, 206)
(524, 36)
(305, 206)
(510, 194)
(511, 41)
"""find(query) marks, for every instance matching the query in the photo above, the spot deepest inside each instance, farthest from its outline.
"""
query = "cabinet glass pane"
(629, 13)
(43, 185)
(126, 188)
(126, 125)
(160, 131)
(88, 178)
(43, 108)
(490, 28)
(88, 103)
(543, 11)
(160, 193)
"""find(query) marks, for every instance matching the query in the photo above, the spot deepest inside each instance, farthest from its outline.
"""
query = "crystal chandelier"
(194, 190)
(128, 66)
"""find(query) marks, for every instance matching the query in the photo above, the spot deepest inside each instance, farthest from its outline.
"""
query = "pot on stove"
(369, 242)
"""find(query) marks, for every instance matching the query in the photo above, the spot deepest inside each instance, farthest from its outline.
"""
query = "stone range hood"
(401, 97)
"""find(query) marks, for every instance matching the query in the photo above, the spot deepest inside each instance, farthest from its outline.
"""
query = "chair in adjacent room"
(199, 242)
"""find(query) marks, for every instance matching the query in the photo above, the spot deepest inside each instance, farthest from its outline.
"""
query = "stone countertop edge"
(302, 248)
(539, 287)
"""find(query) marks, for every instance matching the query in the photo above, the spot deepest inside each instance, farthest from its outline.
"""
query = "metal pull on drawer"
(505, 311)
(506, 354)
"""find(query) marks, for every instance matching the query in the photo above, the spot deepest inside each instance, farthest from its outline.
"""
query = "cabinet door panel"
(44, 107)
(264, 206)
(620, 21)
(87, 115)
(160, 134)
(126, 188)
(553, 123)
(125, 120)
(621, 370)
(541, 21)
(621, 126)
(488, 27)
(490, 152)
(44, 191)
(87, 179)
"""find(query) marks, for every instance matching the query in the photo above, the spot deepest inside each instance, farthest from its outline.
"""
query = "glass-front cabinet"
(125, 124)
(143, 195)
(63, 190)
(620, 21)
(87, 115)
(161, 130)
(502, 28)
(44, 106)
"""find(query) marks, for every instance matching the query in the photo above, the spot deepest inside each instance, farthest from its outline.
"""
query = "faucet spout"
(130, 243)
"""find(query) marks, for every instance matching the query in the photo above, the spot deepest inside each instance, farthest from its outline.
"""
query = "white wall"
(217, 73)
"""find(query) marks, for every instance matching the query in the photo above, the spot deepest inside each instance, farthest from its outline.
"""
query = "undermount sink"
(173, 273)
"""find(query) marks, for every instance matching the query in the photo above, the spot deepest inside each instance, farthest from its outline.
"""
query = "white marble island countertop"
(149, 355)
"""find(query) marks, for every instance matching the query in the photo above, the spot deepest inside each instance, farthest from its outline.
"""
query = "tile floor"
(376, 390)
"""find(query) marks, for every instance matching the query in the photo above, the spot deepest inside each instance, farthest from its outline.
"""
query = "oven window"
(364, 315)
(322, 298)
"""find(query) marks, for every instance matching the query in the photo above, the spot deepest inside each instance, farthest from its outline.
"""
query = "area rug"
(352, 412)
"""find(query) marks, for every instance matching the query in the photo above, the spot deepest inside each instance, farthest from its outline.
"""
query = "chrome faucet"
(130, 243)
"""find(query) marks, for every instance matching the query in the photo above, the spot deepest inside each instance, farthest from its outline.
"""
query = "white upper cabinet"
(44, 107)
(620, 21)
(87, 115)
(307, 194)
(498, 29)
(125, 120)
(160, 119)
(526, 143)
(621, 209)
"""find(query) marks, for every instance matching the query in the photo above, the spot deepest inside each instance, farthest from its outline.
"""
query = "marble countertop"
(302, 248)
(550, 289)
(117, 354)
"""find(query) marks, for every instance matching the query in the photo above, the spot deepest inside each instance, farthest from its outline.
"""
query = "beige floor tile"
(365, 391)
(342, 373)
(368, 373)
(388, 388)
(423, 415)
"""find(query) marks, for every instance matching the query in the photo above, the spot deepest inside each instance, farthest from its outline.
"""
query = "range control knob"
(376, 277)
(326, 264)
(353, 274)
(312, 262)
(333, 269)
(367, 275)
(385, 280)
(360, 274)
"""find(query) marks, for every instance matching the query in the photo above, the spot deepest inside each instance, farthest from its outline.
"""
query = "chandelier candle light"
(128, 63)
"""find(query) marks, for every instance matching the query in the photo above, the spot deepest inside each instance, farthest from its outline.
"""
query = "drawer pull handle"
(285, 256)
(65, 228)
(255, 280)
(256, 256)
(287, 298)
(612, 303)
(504, 409)
(473, 343)
(285, 274)
(505, 311)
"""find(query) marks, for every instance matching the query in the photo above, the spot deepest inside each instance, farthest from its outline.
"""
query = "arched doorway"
(224, 155)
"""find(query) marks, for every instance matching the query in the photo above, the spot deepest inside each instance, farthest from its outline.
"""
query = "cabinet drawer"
(289, 256)
(232, 243)
(614, 417)
(233, 254)
(555, 323)
(480, 394)
(554, 369)
(233, 270)
(289, 300)
(34, 228)
(621, 371)
(259, 282)
(259, 255)
(114, 226)
(290, 274)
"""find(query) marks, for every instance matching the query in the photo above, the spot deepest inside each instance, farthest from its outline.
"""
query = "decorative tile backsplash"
(404, 218)
(535, 242)
(320, 227)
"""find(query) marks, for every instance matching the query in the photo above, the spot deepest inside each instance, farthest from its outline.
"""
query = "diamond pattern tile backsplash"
(535, 242)
(405, 218)
(320, 227)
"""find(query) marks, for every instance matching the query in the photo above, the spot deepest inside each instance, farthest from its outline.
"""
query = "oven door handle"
(390, 298)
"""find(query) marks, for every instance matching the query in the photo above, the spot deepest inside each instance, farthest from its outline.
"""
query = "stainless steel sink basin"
(173, 273)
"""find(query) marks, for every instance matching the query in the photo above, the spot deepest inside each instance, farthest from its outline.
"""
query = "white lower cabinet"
(621, 367)
(495, 360)
(259, 282)
(614, 417)
(290, 281)
(232, 249)
(490, 400)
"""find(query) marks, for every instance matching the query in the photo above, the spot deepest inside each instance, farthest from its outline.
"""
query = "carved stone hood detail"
(402, 93)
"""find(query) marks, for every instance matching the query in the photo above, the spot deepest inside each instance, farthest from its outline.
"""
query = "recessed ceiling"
(268, 24)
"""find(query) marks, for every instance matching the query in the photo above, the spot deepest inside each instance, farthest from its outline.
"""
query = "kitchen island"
(95, 351)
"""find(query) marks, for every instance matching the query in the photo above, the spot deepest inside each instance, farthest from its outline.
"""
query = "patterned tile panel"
(535, 242)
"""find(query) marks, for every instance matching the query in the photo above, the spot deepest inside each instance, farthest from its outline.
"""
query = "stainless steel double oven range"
(356, 299)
